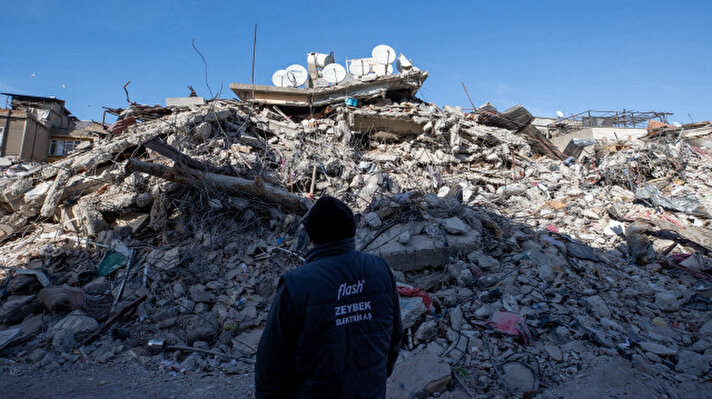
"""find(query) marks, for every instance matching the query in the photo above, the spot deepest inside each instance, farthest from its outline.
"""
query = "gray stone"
(63, 341)
(418, 376)
(193, 362)
(99, 285)
(247, 342)
(199, 294)
(425, 331)
(657, 349)
(456, 319)
(404, 237)
(455, 225)
(518, 377)
(581, 251)
(598, 306)
(37, 355)
(483, 261)
(78, 323)
(464, 294)
(465, 277)
(553, 351)
(706, 329)
(423, 250)
(373, 220)
(412, 310)
(483, 312)
(185, 305)
(666, 301)
(103, 355)
(449, 296)
(546, 273)
(691, 363)
(199, 329)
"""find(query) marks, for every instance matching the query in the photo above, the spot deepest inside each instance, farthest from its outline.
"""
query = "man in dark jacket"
(334, 329)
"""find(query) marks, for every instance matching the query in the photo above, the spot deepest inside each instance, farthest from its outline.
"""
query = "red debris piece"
(511, 324)
(415, 291)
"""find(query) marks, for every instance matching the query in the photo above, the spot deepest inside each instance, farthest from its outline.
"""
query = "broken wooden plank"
(231, 184)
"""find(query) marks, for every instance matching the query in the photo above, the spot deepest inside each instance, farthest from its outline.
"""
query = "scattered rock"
(692, 363)
(79, 324)
(666, 301)
(598, 306)
(518, 378)
(412, 310)
(419, 375)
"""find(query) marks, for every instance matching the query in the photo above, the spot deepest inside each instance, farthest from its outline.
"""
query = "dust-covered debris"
(198, 208)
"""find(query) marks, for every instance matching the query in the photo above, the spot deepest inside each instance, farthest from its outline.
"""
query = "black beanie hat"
(329, 220)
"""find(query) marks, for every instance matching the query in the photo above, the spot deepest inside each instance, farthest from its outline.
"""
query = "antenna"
(383, 54)
(559, 114)
(279, 78)
(296, 75)
(333, 73)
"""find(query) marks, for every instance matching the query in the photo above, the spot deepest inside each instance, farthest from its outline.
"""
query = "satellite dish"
(333, 73)
(320, 59)
(296, 75)
(383, 69)
(279, 78)
(361, 66)
(559, 114)
(383, 54)
(403, 64)
(677, 124)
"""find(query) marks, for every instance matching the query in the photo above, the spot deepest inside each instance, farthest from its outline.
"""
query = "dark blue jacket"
(334, 329)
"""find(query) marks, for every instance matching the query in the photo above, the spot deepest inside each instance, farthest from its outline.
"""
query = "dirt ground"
(118, 380)
(607, 378)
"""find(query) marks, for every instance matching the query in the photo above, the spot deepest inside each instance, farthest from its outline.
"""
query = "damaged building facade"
(41, 129)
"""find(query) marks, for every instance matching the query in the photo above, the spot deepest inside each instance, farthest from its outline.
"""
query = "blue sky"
(547, 55)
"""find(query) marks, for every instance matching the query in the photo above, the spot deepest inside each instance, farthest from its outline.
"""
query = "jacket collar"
(330, 249)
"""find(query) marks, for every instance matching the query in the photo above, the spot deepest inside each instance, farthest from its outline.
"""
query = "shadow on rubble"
(529, 283)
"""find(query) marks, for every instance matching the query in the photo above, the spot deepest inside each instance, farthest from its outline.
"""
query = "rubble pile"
(516, 269)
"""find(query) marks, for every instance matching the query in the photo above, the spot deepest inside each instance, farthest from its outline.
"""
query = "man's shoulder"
(321, 265)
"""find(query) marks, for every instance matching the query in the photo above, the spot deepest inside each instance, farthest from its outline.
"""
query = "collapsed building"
(516, 268)
(40, 129)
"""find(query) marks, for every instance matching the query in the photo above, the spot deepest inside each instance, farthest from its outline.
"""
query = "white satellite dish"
(279, 78)
(383, 54)
(296, 75)
(333, 73)
(559, 114)
(403, 64)
(677, 124)
(361, 66)
(320, 59)
(383, 69)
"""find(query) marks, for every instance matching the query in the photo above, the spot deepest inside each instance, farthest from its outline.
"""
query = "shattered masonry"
(516, 267)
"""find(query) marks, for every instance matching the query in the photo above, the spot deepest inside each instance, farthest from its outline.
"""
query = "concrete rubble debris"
(481, 218)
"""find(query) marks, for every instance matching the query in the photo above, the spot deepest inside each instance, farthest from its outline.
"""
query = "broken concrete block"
(455, 225)
(598, 306)
(518, 378)
(667, 301)
(373, 220)
(77, 323)
(418, 376)
(412, 310)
